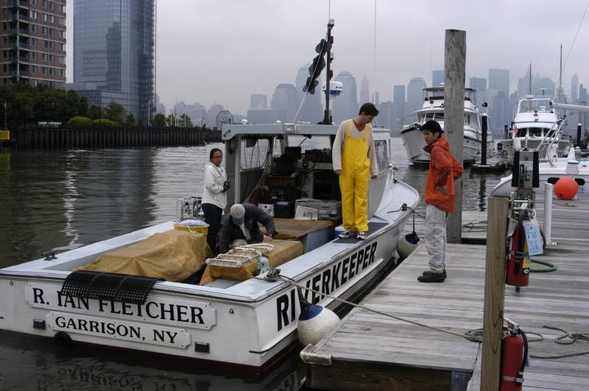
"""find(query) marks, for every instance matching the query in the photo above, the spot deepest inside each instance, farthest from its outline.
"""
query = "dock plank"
(370, 351)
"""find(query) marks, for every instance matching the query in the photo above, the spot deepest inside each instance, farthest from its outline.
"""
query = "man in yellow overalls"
(354, 160)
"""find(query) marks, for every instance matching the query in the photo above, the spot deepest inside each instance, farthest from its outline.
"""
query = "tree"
(158, 121)
(79, 122)
(114, 112)
(106, 123)
(95, 112)
(130, 120)
(171, 120)
(185, 121)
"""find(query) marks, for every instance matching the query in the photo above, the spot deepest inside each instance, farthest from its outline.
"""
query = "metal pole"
(484, 140)
(579, 130)
(548, 191)
(454, 74)
(327, 115)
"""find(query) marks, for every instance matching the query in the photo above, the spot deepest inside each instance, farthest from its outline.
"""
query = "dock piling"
(454, 74)
(494, 292)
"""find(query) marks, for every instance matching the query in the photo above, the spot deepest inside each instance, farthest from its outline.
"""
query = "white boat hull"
(414, 143)
(248, 324)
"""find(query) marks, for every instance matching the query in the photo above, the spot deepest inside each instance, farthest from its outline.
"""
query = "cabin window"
(382, 156)
(254, 153)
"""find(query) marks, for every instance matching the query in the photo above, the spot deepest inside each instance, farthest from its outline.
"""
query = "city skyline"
(222, 52)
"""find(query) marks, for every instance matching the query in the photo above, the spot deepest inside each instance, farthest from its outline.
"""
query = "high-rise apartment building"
(114, 53)
(33, 42)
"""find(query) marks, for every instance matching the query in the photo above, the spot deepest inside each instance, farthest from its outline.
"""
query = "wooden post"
(494, 292)
(454, 74)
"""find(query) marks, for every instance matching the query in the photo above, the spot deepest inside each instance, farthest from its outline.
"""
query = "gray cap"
(237, 214)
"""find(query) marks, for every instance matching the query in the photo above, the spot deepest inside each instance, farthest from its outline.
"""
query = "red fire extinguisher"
(518, 263)
(514, 353)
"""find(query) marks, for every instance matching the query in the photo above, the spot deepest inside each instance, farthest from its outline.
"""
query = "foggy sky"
(224, 50)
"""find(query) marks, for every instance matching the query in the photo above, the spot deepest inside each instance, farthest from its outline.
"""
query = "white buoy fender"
(314, 324)
(407, 244)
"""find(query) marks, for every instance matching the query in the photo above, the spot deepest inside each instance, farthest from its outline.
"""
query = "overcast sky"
(224, 50)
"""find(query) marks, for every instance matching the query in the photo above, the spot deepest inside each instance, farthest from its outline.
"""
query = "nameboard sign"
(169, 312)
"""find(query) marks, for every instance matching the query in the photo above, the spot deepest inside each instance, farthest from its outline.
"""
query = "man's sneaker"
(362, 235)
(432, 277)
(347, 234)
(427, 272)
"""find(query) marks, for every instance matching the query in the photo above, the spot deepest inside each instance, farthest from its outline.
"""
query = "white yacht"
(535, 126)
(433, 109)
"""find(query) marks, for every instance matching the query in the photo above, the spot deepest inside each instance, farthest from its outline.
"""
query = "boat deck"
(371, 351)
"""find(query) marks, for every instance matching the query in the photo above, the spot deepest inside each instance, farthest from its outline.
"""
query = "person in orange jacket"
(444, 169)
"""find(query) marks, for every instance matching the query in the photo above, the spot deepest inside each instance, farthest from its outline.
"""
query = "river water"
(59, 200)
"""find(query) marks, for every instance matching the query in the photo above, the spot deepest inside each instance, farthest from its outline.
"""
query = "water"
(58, 200)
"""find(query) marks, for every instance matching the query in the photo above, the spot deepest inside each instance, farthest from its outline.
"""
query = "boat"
(247, 323)
(535, 126)
(433, 109)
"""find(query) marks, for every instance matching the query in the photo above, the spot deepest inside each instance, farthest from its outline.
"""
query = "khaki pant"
(435, 237)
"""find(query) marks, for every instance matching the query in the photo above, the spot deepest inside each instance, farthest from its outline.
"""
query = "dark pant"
(213, 215)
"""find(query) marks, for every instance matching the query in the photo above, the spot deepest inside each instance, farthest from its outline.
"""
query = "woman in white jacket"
(214, 197)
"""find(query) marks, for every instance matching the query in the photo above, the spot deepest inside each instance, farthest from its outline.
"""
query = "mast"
(530, 78)
(327, 115)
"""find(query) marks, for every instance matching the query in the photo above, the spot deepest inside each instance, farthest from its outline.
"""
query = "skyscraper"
(437, 78)
(399, 102)
(311, 111)
(285, 99)
(114, 53)
(364, 91)
(346, 105)
(499, 80)
(574, 88)
(480, 85)
(33, 42)
(258, 101)
(415, 94)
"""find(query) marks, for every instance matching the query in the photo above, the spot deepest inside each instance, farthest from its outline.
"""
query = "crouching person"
(242, 223)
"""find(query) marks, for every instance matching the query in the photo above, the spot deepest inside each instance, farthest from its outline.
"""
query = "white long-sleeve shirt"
(213, 193)
(340, 138)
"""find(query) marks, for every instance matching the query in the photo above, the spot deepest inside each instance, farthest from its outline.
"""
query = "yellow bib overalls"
(353, 181)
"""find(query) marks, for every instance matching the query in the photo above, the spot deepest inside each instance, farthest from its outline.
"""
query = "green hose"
(551, 267)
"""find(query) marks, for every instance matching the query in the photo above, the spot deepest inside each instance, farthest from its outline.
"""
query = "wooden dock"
(369, 351)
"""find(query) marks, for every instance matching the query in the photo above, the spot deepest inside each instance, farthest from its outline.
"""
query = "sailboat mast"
(558, 97)
(530, 78)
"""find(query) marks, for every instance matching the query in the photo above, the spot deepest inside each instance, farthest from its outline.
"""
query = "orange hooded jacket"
(444, 169)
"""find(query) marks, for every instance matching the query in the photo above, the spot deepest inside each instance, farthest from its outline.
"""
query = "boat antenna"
(374, 57)
(328, 73)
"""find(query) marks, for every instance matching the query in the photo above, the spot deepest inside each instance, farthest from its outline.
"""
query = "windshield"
(308, 143)
(531, 105)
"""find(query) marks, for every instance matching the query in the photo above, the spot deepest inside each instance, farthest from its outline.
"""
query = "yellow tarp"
(294, 229)
(173, 256)
(284, 251)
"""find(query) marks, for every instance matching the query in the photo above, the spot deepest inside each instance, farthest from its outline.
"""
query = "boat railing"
(548, 141)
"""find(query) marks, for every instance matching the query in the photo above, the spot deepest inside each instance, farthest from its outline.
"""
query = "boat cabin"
(284, 163)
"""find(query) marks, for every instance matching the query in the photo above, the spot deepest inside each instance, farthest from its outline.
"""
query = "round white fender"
(314, 324)
(407, 244)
